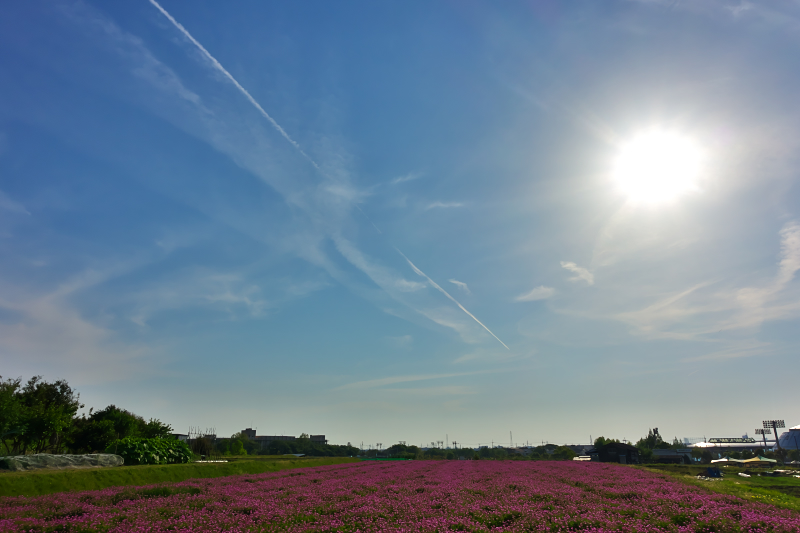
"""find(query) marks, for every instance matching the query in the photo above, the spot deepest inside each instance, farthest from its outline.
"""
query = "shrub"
(156, 451)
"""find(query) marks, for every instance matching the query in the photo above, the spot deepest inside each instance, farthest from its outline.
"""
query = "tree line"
(547, 452)
(240, 444)
(38, 416)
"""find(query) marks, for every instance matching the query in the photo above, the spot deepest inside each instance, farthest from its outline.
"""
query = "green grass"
(37, 483)
(780, 491)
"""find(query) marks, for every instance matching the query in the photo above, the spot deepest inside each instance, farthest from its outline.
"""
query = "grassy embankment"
(780, 491)
(40, 482)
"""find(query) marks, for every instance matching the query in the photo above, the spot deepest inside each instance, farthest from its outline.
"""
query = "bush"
(156, 451)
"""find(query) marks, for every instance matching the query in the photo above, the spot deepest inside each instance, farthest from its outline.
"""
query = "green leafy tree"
(11, 412)
(402, 451)
(563, 453)
(602, 441)
(100, 428)
(234, 445)
(126, 424)
(652, 441)
(486, 452)
(279, 447)
(155, 429)
(48, 410)
(91, 436)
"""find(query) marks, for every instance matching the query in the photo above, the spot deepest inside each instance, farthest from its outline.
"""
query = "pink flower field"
(405, 496)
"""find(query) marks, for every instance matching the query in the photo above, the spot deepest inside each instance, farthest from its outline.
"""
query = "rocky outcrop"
(45, 460)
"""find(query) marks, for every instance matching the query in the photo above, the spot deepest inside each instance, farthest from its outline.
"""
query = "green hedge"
(151, 451)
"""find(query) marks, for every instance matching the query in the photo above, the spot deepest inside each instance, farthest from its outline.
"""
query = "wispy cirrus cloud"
(382, 382)
(701, 312)
(539, 293)
(460, 284)
(11, 206)
(443, 205)
(402, 340)
(581, 274)
(337, 180)
(411, 176)
(47, 330)
(322, 198)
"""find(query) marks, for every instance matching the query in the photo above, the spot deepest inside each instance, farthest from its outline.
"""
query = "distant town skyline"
(390, 221)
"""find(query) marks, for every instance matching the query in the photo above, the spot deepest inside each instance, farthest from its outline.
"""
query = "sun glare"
(657, 166)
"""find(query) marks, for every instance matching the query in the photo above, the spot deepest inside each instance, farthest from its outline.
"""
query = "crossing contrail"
(217, 65)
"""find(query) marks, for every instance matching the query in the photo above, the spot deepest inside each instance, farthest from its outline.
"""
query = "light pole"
(774, 425)
(763, 433)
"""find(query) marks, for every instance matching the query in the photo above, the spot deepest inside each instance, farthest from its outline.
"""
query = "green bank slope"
(37, 483)
(780, 491)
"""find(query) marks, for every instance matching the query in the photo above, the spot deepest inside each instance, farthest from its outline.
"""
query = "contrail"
(216, 64)
(424, 275)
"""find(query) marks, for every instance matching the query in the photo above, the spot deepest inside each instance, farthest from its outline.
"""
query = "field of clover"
(406, 496)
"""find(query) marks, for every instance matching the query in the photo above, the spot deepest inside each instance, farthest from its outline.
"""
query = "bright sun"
(657, 166)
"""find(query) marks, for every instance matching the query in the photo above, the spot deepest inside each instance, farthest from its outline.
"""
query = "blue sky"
(389, 221)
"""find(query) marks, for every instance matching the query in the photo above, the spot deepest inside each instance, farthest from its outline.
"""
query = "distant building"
(679, 456)
(727, 444)
(615, 452)
(265, 440)
(580, 449)
(790, 440)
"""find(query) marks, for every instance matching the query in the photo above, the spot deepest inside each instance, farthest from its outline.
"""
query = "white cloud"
(741, 349)
(461, 285)
(445, 390)
(444, 205)
(48, 331)
(741, 8)
(790, 254)
(374, 383)
(697, 313)
(411, 176)
(539, 293)
(580, 272)
(408, 286)
(232, 294)
(403, 340)
(322, 196)
(10, 205)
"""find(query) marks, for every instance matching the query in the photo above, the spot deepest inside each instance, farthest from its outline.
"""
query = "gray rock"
(45, 460)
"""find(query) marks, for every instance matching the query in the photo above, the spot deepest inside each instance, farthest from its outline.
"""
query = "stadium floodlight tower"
(774, 425)
(764, 433)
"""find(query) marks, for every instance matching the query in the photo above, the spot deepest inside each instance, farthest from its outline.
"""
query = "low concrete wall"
(45, 460)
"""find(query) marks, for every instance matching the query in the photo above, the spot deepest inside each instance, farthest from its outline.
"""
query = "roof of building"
(617, 446)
